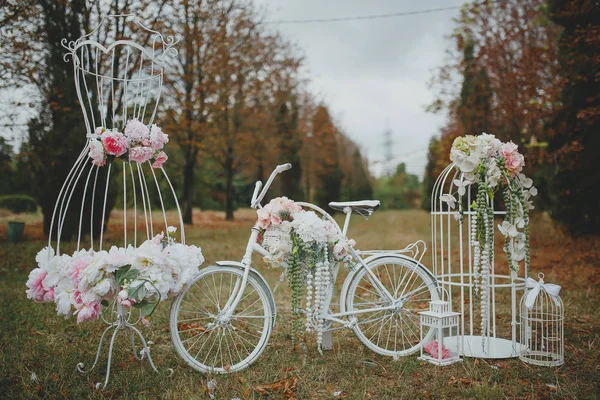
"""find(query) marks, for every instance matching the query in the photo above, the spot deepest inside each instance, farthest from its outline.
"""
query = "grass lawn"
(39, 351)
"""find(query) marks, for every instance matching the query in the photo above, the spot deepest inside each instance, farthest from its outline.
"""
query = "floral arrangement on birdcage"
(494, 167)
(309, 247)
(138, 143)
(79, 284)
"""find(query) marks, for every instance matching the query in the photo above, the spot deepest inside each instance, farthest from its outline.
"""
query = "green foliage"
(399, 191)
(290, 143)
(18, 203)
(430, 173)
(571, 193)
(57, 134)
(6, 155)
(331, 186)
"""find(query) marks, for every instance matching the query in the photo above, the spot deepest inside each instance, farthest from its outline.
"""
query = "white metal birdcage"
(542, 324)
(116, 81)
(487, 302)
(444, 345)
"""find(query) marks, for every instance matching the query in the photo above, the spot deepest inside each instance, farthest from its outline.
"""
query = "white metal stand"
(121, 323)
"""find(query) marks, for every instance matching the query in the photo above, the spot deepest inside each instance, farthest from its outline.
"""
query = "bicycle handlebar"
(257, 187)
(279, 169)
(283, 167)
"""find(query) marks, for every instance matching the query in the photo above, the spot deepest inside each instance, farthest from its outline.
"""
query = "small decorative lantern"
(542, 324)
(440, 335)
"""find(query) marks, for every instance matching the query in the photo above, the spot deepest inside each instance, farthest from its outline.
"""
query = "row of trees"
(235, 102)
(529, 73)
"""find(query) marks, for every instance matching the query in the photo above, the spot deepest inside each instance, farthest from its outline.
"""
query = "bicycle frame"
(356, 256)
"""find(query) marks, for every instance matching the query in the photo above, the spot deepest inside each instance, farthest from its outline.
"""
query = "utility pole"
(388, 150)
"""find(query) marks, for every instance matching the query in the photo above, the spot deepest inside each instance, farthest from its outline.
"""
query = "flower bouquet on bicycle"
(222, 321)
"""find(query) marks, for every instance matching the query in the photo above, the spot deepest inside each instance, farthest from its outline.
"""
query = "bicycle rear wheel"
(209, 341)
(394, 332)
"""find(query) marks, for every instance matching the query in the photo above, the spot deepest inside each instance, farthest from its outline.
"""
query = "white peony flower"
(104, 286)
(147, 254)
(63, 302)
(44, 256)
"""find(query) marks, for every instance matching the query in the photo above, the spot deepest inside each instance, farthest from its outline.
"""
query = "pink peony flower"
(340, 250)
(146, 322)
(125, 302)
(433, 350)
(507, 149)
(77, 266)
(115, 143)
(140, 154)
(159, 160)
(136, 132)
(514, 163)
(264, 217)
(97, 153)
(49, 295)
(290, 206)
(36, 291)
(513, 160)
(275, 220)
(158, 138)
(77, 299)
(89, 311)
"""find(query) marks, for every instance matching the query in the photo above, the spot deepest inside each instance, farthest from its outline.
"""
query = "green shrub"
(18, 203)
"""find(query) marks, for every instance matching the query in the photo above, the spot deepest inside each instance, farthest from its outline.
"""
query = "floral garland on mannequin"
(139, 143)
(493, 166)
(309, 247)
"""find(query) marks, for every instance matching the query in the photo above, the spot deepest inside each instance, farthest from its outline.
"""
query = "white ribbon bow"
(535, 287)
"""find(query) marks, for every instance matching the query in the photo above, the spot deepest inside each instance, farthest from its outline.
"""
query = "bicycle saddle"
(362, 207)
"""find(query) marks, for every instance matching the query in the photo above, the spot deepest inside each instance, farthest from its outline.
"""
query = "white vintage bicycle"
(222, 321)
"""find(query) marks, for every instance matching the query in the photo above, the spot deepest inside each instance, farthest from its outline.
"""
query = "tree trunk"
(188, 192)
(229, 189)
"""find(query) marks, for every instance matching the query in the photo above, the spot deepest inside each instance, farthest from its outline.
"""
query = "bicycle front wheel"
(394, 331)
(205, 337)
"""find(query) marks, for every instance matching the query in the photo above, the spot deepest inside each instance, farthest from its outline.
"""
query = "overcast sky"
(372, 71)
(369, 72)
